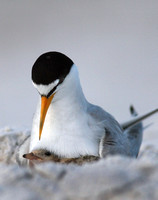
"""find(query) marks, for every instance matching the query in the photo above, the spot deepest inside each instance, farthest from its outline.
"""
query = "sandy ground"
(115, 177)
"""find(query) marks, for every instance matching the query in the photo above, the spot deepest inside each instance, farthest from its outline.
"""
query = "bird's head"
(40, 155)
(48, 74)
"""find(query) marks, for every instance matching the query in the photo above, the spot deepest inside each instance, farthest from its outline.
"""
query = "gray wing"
(105, 119)
(127, 143)
(112, 145)
(113, 140)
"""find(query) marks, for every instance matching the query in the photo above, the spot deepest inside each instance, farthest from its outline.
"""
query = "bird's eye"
(51, 92)
(47, 153)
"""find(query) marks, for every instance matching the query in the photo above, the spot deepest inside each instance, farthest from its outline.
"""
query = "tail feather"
(134, 134)
(137, 119)
(133, 111)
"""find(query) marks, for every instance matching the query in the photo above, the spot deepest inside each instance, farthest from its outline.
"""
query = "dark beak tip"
(24, 156)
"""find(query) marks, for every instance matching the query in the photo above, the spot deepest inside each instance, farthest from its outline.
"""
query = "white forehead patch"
(45, 89)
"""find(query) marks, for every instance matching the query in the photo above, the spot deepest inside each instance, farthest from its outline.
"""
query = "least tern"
(66, 124)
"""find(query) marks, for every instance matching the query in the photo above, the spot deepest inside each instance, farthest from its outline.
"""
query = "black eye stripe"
(53, 90)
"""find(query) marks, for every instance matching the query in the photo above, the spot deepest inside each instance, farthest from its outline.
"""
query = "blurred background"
(113, 43)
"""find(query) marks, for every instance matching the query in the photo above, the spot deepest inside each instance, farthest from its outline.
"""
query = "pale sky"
(113, 43)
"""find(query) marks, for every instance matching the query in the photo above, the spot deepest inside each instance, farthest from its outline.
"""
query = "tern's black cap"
(51, 66)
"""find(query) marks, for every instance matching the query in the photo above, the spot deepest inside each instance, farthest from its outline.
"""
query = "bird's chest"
(67, 134)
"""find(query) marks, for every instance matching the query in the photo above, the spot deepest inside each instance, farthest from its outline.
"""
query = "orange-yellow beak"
(45, 102)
